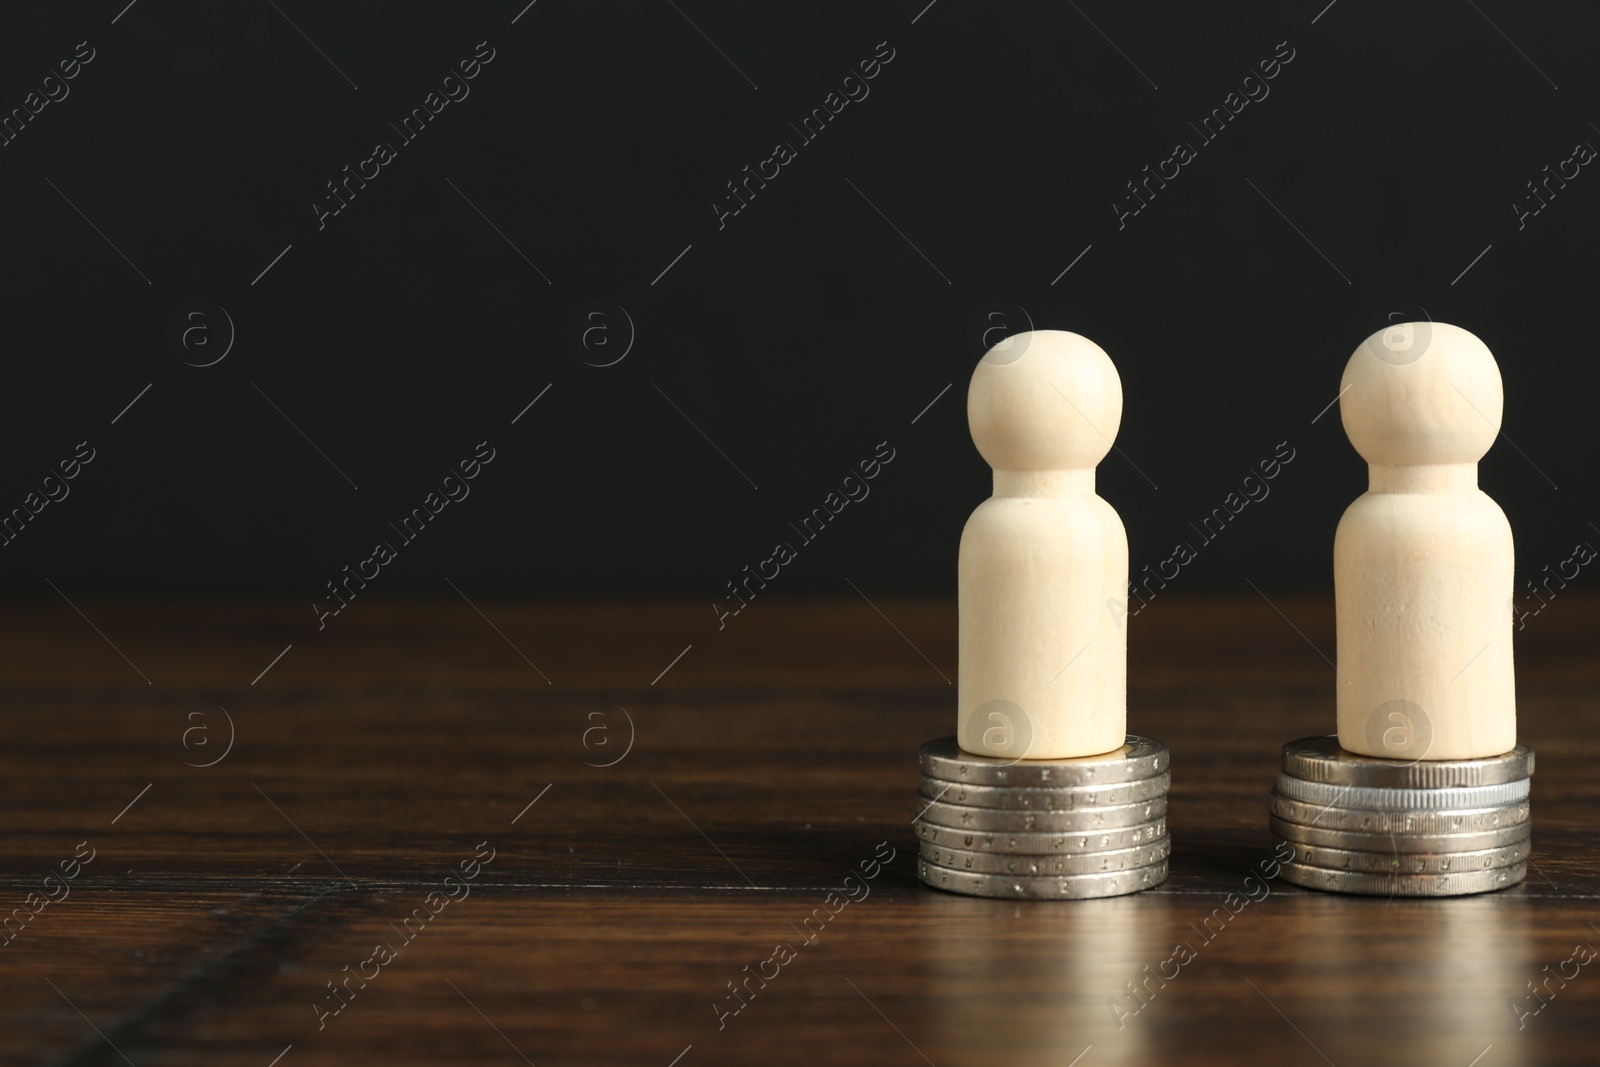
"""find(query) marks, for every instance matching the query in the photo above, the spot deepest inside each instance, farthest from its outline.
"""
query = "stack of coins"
(1062, 829)
(1426, 828)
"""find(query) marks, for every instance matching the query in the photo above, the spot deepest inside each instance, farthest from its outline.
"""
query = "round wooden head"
(1044, 400)
(1421, 393)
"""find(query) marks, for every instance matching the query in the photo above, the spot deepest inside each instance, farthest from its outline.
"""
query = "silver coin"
(1042, 822)
(1022, 798)
(1382, 799)
(1404, 885)
(1060, 887)
(1320, 759)
(1294, 833)
(1122, 859)
(1027, 844)
(1367, 821)
(1141, 757)
(1340, 859)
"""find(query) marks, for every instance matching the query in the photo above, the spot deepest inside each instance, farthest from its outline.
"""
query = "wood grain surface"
(747, 780)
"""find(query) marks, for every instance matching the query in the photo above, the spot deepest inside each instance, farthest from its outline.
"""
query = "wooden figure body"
(1043, 568)
(1423, 562)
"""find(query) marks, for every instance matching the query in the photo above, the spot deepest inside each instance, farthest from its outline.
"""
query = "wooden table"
(377, 756)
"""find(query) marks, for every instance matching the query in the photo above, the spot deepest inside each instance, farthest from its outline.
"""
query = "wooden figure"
(1423, 564)
(1043, 570)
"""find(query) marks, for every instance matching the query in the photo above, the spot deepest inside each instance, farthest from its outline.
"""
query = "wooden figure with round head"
(1423, 563)
(1043, 572)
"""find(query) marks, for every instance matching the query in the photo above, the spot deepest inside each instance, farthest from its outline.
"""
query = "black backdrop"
(767, 352)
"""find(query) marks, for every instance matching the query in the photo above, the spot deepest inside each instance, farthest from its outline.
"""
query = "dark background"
(798, 337)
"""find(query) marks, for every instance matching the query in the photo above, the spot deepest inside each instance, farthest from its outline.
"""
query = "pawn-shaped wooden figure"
(1043, 568)
(1423, 564)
